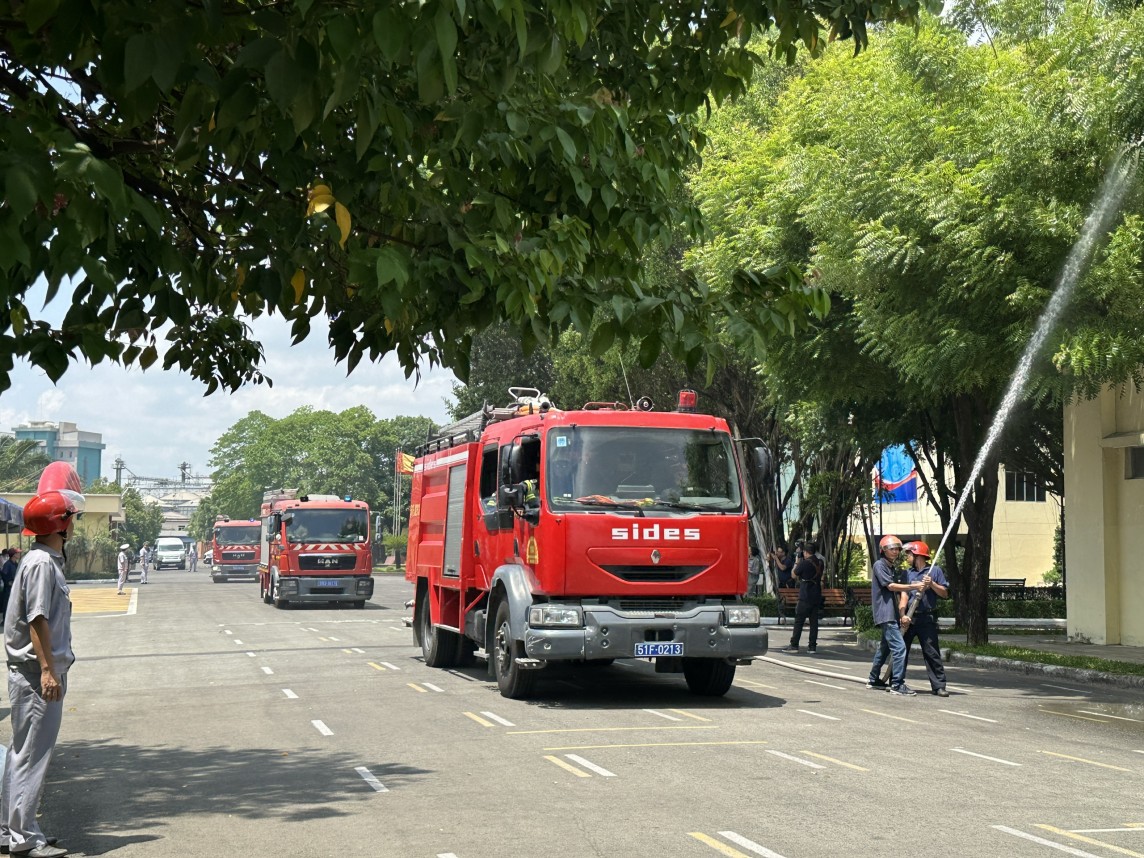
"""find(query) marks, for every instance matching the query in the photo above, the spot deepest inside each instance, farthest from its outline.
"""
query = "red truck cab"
(234, 549)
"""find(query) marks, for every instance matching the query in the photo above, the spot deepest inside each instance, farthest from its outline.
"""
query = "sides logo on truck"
(654, 532)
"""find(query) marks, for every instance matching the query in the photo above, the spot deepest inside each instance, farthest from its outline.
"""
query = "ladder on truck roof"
(528, 400)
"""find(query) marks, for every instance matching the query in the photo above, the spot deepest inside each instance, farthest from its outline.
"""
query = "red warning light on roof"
(687, 400)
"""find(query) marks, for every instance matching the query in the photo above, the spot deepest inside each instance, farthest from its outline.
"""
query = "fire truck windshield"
(326, 525)
(589, 467)
(236, 535)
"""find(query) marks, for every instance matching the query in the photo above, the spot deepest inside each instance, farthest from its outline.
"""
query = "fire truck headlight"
(742, 615)
(555, 616)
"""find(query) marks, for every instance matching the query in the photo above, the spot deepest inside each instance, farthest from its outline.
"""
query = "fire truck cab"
(603, 533)
(234, 549)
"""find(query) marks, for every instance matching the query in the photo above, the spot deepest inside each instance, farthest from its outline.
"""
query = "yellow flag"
(404, 463)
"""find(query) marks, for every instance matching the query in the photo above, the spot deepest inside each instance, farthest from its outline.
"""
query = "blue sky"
(154, 420)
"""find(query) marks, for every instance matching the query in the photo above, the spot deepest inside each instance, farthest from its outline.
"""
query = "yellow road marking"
(1070, 715)
(654, 745)
(478, 719)
(753, 684)
(349, 651)
(1090, 840)
(689, 715)
(836, 762)
(375, 665)
(416, 687)
(717, 846)
(566, 766)
(101, 600)
(884, 715)
(1083, 760)
(324, 639)
(608, 730)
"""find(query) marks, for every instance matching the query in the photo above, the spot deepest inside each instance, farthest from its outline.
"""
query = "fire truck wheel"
(438, 646)
(279, 603)
(710, 677)
(263, 592)
(513, 682)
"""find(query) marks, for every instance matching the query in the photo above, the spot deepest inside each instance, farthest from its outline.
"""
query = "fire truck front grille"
(326, 562)
(653, 573)
(649, 605)
(237, 556)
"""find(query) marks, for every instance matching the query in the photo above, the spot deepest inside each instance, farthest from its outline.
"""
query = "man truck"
(234, 549)
(603, 533)
(314, 548)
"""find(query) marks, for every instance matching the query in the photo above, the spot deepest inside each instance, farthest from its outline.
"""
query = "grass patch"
(1017, 653)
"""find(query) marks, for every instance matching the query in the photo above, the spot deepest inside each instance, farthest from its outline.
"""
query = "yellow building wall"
(1104, 514)
(100, 513)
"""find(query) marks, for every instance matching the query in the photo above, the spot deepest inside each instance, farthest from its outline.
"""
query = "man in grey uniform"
(37, 641)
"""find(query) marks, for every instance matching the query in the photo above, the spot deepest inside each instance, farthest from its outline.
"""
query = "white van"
(170, 551)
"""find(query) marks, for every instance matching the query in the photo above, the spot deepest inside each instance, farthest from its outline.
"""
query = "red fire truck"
(603, 533)
(234, 549)
(314, 548)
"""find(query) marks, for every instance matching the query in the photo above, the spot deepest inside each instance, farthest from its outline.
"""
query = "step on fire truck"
(541, 535)
(314, 548)
(234, 549)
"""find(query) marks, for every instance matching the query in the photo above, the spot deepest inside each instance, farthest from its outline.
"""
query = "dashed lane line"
(390, 666)
(887, 715)
(1066, 688)
(1091, 841)
(1070, 715)
(750, 683)
(502, 721)
(590, 766)
(1106, 715)
(250, 654)
(339, 640)
(269, 671)
(795, 759)
(227, 632)
(478, 719)
(568, 767)
(967, 715)
(433, 687)
(1090, 762)
(643, 729)
(321, 727)
(290, 695)
(662, 714)
(368, 777)
(358, 650)
(463, 676)
(836, 762)
(348, 651)
(417, 687)
(657, 745)
(983, 757)
(375, 665)
(691, 715)
(749, 844)
(819, 715)
(824, 684)
(738, 839)
(1060, 847)
(238, 642)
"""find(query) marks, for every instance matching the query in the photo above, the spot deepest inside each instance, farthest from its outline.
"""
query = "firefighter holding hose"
(918, 618)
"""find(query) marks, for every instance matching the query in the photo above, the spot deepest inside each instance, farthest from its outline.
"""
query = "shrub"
(863, 618)
(768, 605)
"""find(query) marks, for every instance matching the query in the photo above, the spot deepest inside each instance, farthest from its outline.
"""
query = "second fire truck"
(234, 549)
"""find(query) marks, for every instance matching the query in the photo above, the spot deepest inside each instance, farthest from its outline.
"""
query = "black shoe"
(941, 692)
(811, 650)
(903, 690)
(877, 684)
(789, 649)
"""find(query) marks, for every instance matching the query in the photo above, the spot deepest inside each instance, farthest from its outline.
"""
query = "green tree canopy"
(412, 170)
(21, 463)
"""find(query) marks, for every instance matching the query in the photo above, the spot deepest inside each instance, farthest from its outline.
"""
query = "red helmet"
(49, 512)
(59, 476)
(889, 541)
(918, 549)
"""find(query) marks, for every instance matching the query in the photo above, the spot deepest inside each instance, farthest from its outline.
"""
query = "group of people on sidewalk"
(903, 605)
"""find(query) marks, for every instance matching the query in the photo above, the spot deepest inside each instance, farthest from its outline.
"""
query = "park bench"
(835, 601)
(1007, 588)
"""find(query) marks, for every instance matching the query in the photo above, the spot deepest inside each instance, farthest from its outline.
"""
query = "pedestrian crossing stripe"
(103, 600)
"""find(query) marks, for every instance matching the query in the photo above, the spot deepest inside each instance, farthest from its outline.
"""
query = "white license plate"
(329, 582)
(652, 650)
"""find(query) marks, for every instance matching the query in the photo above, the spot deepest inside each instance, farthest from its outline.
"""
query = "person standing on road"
(808, 573)
(38, 645)
(8, 575)
(144, 561)
(783, 566)
(884, 587)
(123, 565)
(923, 626)
(193, 557)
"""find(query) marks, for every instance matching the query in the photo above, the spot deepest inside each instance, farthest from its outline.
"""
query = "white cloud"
(155, 420)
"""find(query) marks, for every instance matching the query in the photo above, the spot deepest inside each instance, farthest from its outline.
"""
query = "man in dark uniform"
(808, 573)
(884, 587)
(923, 624)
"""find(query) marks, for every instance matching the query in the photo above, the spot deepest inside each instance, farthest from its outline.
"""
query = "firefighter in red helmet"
(918, 619)
(38, 644)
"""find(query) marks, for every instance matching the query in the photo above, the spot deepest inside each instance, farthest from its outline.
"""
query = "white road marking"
(321, 727)
(290, 695)
(498, 719)
(478, 719)
(433, 687)
(819, 715)
(359, 649)
(397, 629)
(460, 675)
(1043, 842)
(310, 629)
(251, 654)
(825, 684)
(1106, 715)
(793, 759)
(446, 855)
(133, 603)
(268, 671)
(663, 715)
(568, 767)
(967, 715)
(590, 766)
(367, 776)
(1066, 688)
(390, 666)
(983, 757)
(339, 640)
(886, 715)
(740, 840)
(237, 641)
(227, 632)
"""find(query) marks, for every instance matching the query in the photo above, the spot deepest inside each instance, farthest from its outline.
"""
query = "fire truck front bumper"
(236, 570)
(729, 630)
(298, 588)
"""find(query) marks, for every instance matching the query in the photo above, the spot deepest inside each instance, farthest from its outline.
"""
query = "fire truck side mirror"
(512, 496)
(760, 460)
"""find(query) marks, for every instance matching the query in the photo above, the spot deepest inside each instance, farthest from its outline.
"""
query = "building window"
(1020, 486)
(1134, 463)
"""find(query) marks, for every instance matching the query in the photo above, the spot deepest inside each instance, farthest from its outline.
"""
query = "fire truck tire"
(438, 646)
(466, 652)
(263, 593)
(279, 603)
(710, 677)
(513, 682)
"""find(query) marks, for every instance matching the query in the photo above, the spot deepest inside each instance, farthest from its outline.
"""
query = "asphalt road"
(200, 721)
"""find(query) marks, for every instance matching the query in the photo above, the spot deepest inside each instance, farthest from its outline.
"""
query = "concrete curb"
(1074, 674)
